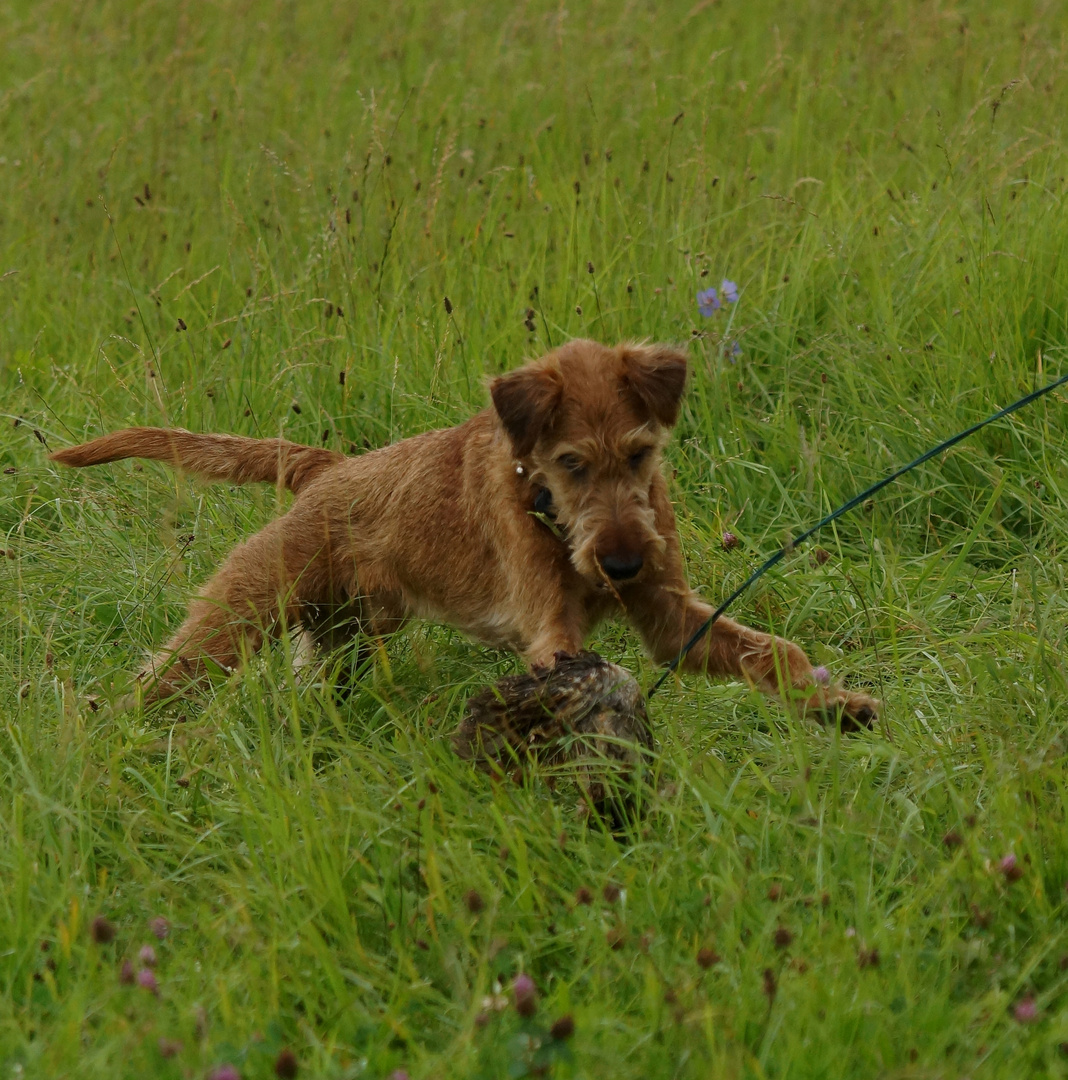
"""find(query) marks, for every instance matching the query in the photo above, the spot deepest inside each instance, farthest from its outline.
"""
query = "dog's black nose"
(621, 567)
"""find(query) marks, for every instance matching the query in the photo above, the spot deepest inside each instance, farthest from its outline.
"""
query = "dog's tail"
(216, 457)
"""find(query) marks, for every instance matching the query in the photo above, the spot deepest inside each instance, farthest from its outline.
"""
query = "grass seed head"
(563, 1028)
(867, 958)
(285, 1065)
(102, 930)
(169, 1048)
(707, 957)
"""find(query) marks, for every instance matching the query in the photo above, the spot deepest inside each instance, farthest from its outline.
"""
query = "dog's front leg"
(668, 617)
(557, 637)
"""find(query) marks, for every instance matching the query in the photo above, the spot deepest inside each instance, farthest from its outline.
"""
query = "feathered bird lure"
(583, 710)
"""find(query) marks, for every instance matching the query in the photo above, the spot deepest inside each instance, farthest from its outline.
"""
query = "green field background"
(211, 212)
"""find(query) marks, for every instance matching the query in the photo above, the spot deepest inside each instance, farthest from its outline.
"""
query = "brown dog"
(525, 527)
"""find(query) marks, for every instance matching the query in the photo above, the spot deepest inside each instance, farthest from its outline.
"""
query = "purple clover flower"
(147, 980)
(708, 302)
(525, 995)
(821, 675)
(224, 1072)
(729, 290)
(1026, 1011)
(148, 956)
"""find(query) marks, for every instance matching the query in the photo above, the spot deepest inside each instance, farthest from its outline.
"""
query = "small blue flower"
(730, 291)
(736, 349)
(708, 302)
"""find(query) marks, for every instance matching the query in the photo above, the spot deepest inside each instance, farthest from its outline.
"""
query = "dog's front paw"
(855, 711)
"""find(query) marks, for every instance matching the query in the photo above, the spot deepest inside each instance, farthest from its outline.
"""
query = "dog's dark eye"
(636, 459)
(572, 464)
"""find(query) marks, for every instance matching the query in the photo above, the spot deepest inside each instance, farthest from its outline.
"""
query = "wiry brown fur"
(440, 526)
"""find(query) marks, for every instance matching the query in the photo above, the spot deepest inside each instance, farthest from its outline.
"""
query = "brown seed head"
(102, 930)
(286, 1065)
(867, 958)
(707, 957)
(563, 1028)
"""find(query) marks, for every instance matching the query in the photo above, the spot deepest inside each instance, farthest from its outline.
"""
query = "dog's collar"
(542, 508)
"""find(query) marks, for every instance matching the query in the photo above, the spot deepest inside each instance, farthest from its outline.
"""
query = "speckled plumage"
(582, 709)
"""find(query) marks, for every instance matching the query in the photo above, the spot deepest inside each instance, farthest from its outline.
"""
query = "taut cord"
(843, 509)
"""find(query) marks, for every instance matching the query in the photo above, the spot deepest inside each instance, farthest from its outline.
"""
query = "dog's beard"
(638, 526)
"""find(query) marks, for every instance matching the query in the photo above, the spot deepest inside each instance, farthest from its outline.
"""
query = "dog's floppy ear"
(525, 401)
(656, 376)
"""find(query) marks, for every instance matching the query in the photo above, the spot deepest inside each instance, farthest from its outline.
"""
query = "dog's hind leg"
(261, 585)
(334, 636)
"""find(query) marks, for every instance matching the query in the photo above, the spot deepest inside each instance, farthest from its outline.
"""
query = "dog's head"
(588, 422)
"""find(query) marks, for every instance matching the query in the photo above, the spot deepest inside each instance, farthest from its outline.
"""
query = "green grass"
(302, 186)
